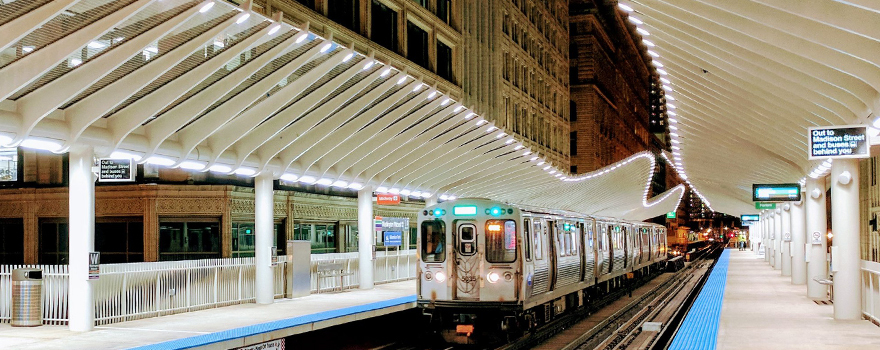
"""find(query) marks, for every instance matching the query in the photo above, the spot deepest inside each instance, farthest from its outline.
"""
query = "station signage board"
(848, 141)
(277, 344)
(387, 199)
(116, 170)
(776, 192)
(750, 217)
(94, 265)
(392, 238)
(670, 215)
(762, 205)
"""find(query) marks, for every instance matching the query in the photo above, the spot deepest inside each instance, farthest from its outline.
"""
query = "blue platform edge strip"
(236, 333)
(699, 331)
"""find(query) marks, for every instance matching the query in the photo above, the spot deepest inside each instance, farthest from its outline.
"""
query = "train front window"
(433, 241)
(500, 241)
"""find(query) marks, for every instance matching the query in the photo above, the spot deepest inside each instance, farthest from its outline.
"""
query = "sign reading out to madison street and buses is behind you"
(849, 141)
(116, 170)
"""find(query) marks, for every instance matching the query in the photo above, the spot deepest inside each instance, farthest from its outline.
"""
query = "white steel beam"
(13, 31)
(125, 121)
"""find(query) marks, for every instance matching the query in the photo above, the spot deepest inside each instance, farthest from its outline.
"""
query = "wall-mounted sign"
(776, 193)
(760, 205)
(393, 238)
(786, 237)
(116, 170)
(94, 265)
(847, 141)
(387, 199)
(670, 215)
(816, 238)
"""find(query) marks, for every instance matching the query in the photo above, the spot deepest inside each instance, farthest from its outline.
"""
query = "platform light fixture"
(206, 7)
(289, 177)
(245, 171)
(192, 165)
(158, 160)
(220, 168)
(243, 18)
(308, 180)
(275, 29)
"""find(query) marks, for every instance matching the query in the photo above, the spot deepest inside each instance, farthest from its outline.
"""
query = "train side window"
(467, 244)
(433, 241)
(500, 241)
(537, 240)
(588, 233)
(527, 239)
(575, 233)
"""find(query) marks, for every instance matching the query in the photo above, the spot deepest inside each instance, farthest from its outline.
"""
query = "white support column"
(815, 214)
(765, 235)
(777, 242)
(786, 239)
(264, 203)
(81, 301)
(365, 237)
(798, 239)
(845, 244)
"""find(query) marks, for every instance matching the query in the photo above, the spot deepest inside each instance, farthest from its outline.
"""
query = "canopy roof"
(206, 86)
(749, 77)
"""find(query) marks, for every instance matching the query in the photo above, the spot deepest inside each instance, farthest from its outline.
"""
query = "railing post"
(124, 296)
(217, 284)
(158, 293)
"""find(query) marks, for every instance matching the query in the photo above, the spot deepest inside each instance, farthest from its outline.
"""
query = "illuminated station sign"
(776, 192)
(849, 141)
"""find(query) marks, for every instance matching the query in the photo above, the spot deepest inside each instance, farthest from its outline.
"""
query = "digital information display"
(750, 217)
(849, 141)
(776, 192)
(116, 170)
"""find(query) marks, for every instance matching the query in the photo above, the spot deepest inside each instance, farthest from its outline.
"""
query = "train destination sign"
(850, 141)
(776, 192)
(116, 170)
(749, 217)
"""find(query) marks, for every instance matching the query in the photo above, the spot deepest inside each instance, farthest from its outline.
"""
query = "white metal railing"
(141, 290)
(871, 290)
(54, 292)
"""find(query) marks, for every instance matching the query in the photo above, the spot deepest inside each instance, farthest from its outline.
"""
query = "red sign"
(387, 199)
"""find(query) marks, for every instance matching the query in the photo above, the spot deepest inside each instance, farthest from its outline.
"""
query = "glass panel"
(8, 164)
(11, 241)
(189, 240)
(467, 246)
(417, 44)
(527, 236)
(538, 241)
(383, 27)
(433, 241)
(351, 238)
(500, 241)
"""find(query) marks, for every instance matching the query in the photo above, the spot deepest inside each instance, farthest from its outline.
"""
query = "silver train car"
(487, 268)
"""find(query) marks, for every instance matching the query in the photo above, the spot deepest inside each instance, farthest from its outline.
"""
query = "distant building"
(617, 106)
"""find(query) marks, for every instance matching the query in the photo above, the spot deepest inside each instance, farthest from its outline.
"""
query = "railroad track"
(665, 301)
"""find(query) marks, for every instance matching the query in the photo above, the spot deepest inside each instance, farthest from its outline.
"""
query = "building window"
(120, 240)
(345, 12)
(243, 241)
(53, 244)
(383, 28)
(572, 111)
(444, 61)
(424, 3)
(11, 241)
(189, 240)
(443, 10)
(417, 44)
(572, 145)
(8, 164)
(321, 235)
(308, 3)
(574, 170)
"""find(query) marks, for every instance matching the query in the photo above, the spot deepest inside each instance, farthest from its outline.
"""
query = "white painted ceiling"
(749, 78)
(205, 86)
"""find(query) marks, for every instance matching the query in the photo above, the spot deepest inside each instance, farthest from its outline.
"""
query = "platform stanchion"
(845, 259)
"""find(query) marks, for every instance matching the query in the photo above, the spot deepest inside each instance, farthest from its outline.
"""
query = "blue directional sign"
(393, 238)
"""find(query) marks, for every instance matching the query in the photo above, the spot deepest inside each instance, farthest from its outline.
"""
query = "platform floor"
(763, 310)
(224, 327)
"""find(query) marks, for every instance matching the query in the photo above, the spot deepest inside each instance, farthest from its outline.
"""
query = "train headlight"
(440, 277)
(428, 276)
(508, 276)
(493, 277)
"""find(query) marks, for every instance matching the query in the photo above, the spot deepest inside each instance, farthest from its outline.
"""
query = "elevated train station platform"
(224, 327)
(761, 309)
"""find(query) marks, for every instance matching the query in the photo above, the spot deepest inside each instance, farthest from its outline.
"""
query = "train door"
(528, 253)
(467, 263)
(550, 231)
(589, 251)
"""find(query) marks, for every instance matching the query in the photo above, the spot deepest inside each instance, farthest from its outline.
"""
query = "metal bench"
(331, 269)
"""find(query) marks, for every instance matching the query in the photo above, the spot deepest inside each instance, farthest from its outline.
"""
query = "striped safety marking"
(699, 331)
(236, 333)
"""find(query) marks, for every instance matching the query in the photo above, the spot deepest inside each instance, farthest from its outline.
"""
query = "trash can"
(27, 306)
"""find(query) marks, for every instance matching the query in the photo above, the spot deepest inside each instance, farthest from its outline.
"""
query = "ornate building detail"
(190, 205)
(12, 209)
(331, 212)
(119, 206)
